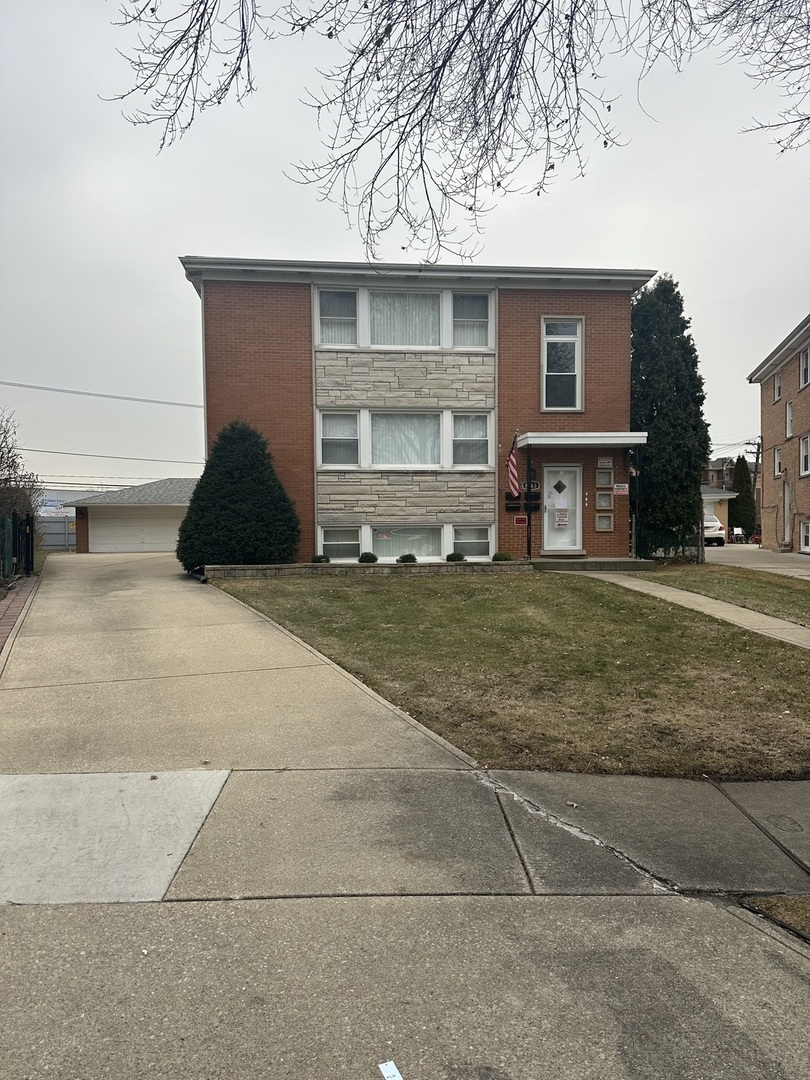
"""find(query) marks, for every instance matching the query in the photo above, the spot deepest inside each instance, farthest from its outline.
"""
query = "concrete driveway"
(221, 856)
(791, 563)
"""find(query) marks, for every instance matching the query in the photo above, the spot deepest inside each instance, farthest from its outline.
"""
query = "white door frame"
(546, 548)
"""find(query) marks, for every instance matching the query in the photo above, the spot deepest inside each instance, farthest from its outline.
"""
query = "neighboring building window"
(470, 319)
(804, 455)
(341, 543)
(804, 536)
(423, 541)
(405, 318)
(777, 386)
(471, 540)
(562, 363)
(470, 443)
(339, 443)
(604, 522)
(788, 419)
(338, 311)
(405, 439)
(777, 461)
(804, 368)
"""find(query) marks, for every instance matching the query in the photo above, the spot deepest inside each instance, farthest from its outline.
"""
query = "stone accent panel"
(447, 380)
(415, 498)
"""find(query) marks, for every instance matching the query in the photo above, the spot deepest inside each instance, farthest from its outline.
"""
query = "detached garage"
(142, 518)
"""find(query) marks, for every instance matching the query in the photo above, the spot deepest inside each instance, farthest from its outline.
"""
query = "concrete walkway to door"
(222, 856)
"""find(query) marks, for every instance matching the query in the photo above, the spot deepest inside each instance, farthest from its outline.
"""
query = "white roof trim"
(582, 438)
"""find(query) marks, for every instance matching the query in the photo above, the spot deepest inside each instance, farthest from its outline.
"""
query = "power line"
(91, 393)
(112, 457)
(93, 477)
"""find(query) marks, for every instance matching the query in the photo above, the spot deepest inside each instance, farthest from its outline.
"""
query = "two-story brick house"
(784, 380)
(391, 395)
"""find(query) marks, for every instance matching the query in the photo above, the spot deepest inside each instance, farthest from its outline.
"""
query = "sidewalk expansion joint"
(766, 832)
(578, 832)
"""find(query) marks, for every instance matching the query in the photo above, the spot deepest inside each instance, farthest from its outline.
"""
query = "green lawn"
(771, 594)
(548, 671)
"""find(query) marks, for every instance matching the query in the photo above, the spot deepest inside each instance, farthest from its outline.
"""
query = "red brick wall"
(82, 531)
(606, 401)
(773, 435)
(258, 368)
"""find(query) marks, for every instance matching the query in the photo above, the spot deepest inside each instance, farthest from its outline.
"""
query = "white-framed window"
(777, 386)
(804, 455)
(804, 536)
(381, 318)
(393, 439)
(562, 364)
(342, 543)
(804, 368)
(604, 522)
(388, 542)
(339, 439)
(788, 419)
(470, 320)
(405, 438)
(470, 439)
(338, 317)
(777, 461)
(471, 540)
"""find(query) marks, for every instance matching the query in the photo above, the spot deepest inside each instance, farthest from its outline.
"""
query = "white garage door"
(134, 528)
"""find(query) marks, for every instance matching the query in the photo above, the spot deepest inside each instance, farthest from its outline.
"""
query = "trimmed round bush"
(502, 556)
(321, 558)
(407, 557)
(367, 556)
(455, 556)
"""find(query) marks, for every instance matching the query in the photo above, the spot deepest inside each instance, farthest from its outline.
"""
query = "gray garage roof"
(175, 491)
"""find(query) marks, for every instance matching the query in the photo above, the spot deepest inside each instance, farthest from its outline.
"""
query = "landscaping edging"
(225, 572)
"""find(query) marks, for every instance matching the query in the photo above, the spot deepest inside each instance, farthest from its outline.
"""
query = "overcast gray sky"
(92, 296)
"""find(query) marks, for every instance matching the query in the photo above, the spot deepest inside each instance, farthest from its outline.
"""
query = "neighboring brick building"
(390, 396)
(784, 379)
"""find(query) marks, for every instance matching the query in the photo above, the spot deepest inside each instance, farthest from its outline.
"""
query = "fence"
(16, 545)
(57, 534)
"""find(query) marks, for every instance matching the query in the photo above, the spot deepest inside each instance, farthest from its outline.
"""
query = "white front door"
(787, 516)
(562, 508)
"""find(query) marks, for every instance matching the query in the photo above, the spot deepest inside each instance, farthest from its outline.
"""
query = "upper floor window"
(338, 318)
(777, 461)
(390, 439)
(404, 318)
(562, 364)
(804, 368)
(788, 419)
(804, 455)
(777, 386)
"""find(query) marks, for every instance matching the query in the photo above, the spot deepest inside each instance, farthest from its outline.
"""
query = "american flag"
(511, 472)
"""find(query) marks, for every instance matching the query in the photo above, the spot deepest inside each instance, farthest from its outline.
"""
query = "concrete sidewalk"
(789, 632)
(221, 856)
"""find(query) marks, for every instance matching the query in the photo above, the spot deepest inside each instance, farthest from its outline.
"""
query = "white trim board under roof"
(582, 438)
(783, 352)
(199, 268)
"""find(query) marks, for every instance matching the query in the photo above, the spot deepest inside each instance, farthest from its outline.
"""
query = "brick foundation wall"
(258, 368)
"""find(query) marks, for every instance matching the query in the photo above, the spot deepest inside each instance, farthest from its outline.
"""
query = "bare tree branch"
(440, 106)
(19, 489)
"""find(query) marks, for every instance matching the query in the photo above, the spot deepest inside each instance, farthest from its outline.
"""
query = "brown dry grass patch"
(771, 594)
(548, 671)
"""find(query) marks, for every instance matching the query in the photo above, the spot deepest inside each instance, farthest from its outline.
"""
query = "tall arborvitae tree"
(742, 511)
(239, 512)
(667, 402)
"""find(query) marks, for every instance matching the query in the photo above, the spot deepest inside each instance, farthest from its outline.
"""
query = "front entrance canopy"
(595, 439)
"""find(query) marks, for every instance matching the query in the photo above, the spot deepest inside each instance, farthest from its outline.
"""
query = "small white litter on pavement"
(390, 1071)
